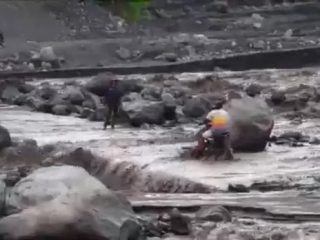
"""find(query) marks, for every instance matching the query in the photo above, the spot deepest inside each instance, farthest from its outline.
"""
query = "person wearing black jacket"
(112, 99)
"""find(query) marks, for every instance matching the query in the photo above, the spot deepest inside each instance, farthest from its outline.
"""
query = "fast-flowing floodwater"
(157, 150)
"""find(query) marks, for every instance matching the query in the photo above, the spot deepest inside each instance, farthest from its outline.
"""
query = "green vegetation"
(131, 10)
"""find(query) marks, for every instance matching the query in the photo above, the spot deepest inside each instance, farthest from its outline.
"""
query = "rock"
(151, 93)
(97, 115)
(257, 17)
(99, 84)
(140, 111)
(67, 202)
(26, 88)
(237, 188)
(31, 67)
(10, 93)
(46, 92)
(251, 123)
(170, 106)
(123, 53)
(22, 153)
(86, 112)
(5, 139)
(259, 45)
(278, 97)
(74, 95)
(62, 110)
(214, 214)
(233, 95)
(38, 104)
(168, 99)
(46, 65)
(3, 192)
(196, 107)
(291, 135)
(253, 90)
(288, 34)
(314, 141)
(179, 224)
(169, 57)
(218, 6)
(47, 54)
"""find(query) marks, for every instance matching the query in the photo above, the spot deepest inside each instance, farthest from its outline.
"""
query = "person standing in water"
(112, 99)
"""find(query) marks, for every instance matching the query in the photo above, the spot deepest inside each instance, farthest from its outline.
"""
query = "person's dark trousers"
(111, 115)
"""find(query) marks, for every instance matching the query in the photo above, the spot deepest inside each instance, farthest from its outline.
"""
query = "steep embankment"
(175, 32)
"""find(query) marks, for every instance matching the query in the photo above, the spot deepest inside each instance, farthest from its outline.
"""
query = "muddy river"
(156, 149)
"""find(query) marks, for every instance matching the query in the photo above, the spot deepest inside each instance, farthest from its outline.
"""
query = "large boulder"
(74, 95)
(196, 107)
(47, 54)
(251, 123)
(2, 197)
(140, 111)
(5, 139)
(99, 84)
(9, 93)
(61, 109)
(65, 202)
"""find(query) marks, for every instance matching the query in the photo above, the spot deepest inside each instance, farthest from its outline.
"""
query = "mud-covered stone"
(251, 122)
(5, 138)
(214, 214)
(196, 107)
(66, 202)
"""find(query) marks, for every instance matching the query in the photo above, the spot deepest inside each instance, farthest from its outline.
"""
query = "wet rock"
(70, 201)
(31, 67)
(169, 57)
(218, 6)
(196, 107)
(38, 104)
(47, 54)
(46, 65)
(253, 90)
(214, 214)
(74, 95)
(277, 235)
(237, 188)
(3, 192)
(151, 93)
(314, 141)
(26, 88)
(5, 139)
(124, 53)
(62, 110)
(22, 153)
(233, 95)
(20, 100)
(291, 135)
(278, 97)
(10, 93)
(97, 115)
(86, 112)
(46, 92)
(99, 84)
(288, 34)
(179, 224)
(251, 123)
(140, 111)
(170, 106)
(258, 45)
(12, 177)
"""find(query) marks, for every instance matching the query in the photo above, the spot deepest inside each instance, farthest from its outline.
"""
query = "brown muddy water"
(159, 149)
